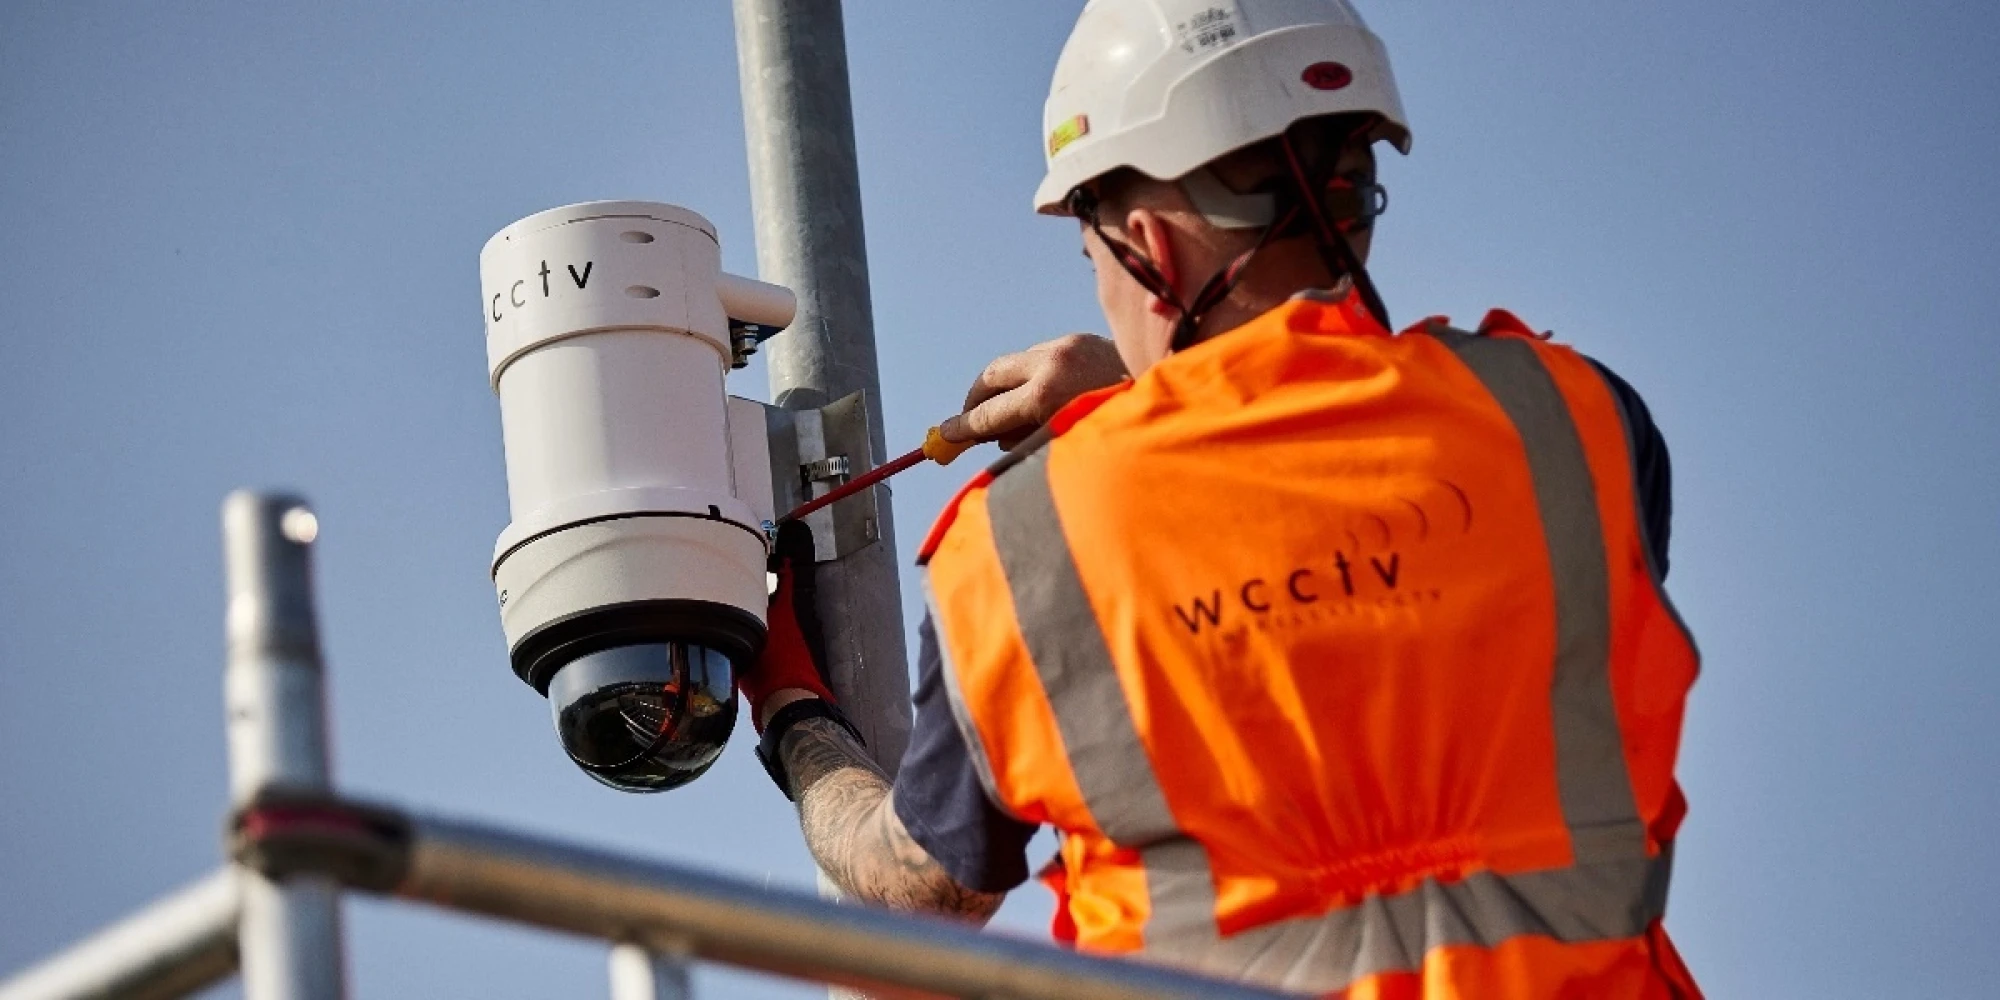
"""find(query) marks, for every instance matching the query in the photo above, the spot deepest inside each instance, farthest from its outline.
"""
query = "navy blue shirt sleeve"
(1652, 469)
(938, 794)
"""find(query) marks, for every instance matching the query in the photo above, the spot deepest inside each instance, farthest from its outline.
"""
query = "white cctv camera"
(632, 580)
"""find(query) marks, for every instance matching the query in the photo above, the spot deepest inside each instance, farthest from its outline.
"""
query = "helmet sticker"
(1327, 76)
(1206, 29)
(1068, 132)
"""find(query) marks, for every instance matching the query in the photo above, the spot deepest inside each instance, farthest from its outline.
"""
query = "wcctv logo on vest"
(1364, 575)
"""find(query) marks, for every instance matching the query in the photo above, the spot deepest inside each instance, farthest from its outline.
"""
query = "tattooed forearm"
(855, 835)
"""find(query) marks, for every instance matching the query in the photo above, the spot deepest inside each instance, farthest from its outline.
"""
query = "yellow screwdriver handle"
(941, 451)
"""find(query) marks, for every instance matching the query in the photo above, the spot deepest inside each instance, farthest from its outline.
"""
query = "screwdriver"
(935, 448)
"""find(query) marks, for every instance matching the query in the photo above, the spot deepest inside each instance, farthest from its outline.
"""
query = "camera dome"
(645, 717)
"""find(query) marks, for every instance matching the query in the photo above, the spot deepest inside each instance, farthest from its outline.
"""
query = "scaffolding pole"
(682, 913)
(175, 946)
(274, 690)
(297, 847)
(638, 974)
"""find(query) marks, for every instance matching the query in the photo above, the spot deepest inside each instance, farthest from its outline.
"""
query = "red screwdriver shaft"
(859, 483)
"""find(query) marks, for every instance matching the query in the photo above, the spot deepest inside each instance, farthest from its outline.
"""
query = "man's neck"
(1245, 305)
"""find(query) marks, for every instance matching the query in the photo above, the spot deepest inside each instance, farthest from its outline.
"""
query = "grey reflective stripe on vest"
(1605, 901)
(1595, 788)
(1100, 741)
(1612, 891)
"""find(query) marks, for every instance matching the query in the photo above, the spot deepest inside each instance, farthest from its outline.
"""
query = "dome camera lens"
(645, 717)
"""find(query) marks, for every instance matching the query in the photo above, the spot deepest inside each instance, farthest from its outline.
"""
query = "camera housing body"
(631, 581)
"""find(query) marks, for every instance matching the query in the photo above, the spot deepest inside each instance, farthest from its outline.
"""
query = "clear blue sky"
(240, 248)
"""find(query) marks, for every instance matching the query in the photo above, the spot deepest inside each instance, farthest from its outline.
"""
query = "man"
(1338, 658)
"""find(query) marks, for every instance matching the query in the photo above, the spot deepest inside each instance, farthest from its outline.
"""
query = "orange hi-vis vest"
(1339, 661)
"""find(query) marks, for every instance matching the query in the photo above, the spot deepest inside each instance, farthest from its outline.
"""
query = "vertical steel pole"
(639, 974)
(274, 690)
(805, 192)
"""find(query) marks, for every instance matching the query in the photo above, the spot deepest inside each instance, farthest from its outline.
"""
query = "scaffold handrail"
(177, 945)
(676, 909)
(187, 941)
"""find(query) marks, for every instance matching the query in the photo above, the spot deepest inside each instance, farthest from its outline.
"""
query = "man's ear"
(1150, 236)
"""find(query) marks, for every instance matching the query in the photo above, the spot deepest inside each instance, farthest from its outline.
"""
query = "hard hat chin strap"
(1335, 251)
(1083, 205)
(1357, 204)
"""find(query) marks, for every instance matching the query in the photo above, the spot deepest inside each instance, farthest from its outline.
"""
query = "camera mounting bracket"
(815, 450)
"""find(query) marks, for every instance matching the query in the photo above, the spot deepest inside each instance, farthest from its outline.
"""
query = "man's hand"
(793, 664)
(1020, 392)
(844, 805)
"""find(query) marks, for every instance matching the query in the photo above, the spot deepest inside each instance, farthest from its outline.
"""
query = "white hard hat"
(1165, 86)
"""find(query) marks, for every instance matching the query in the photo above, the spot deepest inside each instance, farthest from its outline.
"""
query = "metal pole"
(174, 947)
(805, 193)
(638, 974)
(684, 912)
(275, 693)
